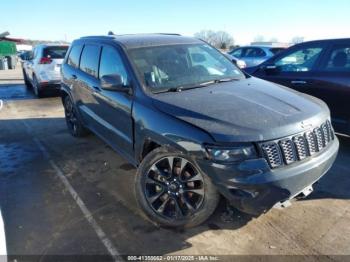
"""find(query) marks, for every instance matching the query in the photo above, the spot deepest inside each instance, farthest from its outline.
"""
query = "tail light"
(45, 60)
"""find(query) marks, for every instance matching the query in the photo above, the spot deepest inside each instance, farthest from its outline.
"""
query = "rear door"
(332, 84)
(70, 71)
(87, 83)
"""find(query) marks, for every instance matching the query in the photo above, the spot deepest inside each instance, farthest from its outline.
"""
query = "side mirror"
(114, 83)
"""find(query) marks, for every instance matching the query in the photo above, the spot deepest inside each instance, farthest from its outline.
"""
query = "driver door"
(295, 69)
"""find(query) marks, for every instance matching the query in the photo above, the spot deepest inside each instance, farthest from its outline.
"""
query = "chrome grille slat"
(272, 154)
(301, 147)
(325, 134)
(289, 150)
(319, 138)
(311, 141)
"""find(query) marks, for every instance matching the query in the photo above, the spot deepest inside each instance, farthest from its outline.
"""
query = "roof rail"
(109, 36)
(168, 34)
(97, 36)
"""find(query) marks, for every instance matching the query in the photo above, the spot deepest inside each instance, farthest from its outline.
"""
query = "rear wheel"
(26, 80)
(36, 88)
(172, 191)
(74, 124)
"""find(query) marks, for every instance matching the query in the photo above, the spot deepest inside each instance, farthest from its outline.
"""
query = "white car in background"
(41, 70)
(256, 54)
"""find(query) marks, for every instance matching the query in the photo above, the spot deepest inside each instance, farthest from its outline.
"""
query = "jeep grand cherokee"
(194, 125)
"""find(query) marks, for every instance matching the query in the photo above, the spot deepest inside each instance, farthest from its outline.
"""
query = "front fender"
(166, 130)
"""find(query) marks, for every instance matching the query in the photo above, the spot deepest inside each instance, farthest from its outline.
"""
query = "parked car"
(255, 55)
(240, 63)
(194, 125)
(41, 70)
(318, 68)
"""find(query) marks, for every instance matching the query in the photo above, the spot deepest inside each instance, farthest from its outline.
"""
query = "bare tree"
(219, 39)
(297, 40)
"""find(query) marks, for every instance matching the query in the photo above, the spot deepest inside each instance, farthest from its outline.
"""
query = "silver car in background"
(41, 69)
(240, 63)
(255, 55)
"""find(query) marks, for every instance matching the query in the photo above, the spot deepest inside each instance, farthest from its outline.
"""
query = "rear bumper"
(254, 188)
(49, 77)
(51, 85)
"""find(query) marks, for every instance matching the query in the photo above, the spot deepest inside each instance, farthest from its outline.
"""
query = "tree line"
(223, 40)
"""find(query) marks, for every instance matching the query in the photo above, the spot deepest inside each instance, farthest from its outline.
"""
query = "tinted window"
(236, 53)
(74, 56)
(338, 59)
(89, 59)
(301, 60)
(111, 63)
(55, 52)
(276, 50)
(254, 52)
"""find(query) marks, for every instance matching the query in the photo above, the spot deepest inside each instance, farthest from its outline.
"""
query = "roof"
(146, 40)
(327, 40)
(51, 44)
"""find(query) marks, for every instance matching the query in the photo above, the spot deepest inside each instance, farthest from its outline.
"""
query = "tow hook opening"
(303, 194)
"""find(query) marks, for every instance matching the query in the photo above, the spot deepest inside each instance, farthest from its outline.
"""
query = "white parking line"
(87, 214)
(3, 251)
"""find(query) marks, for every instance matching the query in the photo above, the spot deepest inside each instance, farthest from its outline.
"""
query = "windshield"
(165, 67)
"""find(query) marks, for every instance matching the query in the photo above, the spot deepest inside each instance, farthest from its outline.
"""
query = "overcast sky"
(244, 20)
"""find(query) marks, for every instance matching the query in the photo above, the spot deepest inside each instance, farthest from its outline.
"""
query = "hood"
(244, 111)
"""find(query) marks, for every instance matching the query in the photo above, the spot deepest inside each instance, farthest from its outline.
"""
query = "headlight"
(231, 154)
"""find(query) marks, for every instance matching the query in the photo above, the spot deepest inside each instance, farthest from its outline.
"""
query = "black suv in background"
(194, 125)
(318, 68)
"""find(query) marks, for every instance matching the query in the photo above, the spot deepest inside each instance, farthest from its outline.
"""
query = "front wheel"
(74, 124)
(172, 191)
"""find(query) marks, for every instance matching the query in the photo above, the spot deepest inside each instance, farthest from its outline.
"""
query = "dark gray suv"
(194, 125)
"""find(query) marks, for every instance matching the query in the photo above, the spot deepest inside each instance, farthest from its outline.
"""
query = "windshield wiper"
(223, 80)
(204, 84)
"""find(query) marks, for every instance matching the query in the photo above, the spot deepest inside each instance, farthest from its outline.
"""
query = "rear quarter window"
(74, 56)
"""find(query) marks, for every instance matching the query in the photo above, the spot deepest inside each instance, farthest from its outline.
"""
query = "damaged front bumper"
(254, 188)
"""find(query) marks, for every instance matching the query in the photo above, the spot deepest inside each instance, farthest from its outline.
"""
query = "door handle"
(298, 82)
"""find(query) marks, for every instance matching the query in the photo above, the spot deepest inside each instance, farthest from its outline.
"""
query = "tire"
(74, 124)
(26, 80)
(155, 190)
(36, 88)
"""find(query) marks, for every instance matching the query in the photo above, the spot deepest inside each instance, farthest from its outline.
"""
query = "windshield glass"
(165, 67)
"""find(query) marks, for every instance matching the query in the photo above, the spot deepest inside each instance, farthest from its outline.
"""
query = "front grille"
(289, 150)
